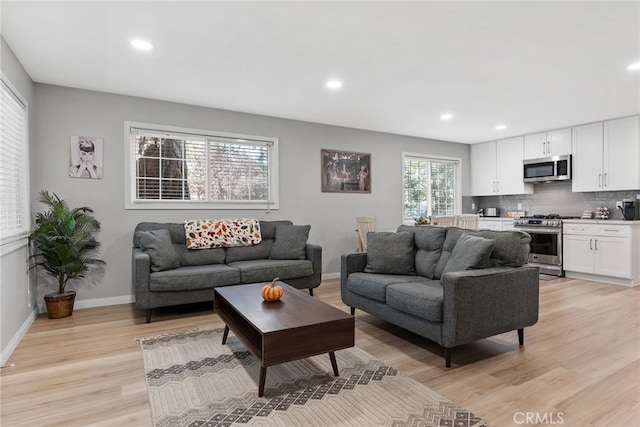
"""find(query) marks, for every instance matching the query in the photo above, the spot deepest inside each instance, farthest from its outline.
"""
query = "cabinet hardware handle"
(590, 244)
(544, 149)
(599, 180)
(605, 180)
(610, 229)
(596, 244)
(548, 147)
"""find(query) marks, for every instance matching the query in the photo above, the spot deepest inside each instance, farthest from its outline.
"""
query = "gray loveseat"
(450, 285)
(166, 273)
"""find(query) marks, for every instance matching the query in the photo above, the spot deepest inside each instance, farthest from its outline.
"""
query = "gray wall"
(17, 300)
(63, 112)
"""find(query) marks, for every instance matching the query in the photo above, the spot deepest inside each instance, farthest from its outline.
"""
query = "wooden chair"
(364, 225)
(469, 221)
(444, 220)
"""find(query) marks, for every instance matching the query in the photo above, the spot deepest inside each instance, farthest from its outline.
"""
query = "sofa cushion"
(469, 252)
(428, 240)
(290, 242)
(390, 253)
(157, 243)
(176, 230)
(243, 253)
(193, 278)
(374, 285)
(265, 270)
(511, 247)
(423, 300)
(199, 256)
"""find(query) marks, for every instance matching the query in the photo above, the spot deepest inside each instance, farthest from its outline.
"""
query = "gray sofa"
(166, 273)
(450, 285)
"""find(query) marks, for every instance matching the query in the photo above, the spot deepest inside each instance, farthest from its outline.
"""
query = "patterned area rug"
(194, 380)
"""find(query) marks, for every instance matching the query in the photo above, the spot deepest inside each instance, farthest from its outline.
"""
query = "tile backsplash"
(556, 198)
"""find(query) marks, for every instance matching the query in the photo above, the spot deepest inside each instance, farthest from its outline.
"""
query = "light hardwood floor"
(580, 365)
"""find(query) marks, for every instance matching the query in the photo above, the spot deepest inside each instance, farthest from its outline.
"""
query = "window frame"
(131, 202)
(457, 184)
(19, 239)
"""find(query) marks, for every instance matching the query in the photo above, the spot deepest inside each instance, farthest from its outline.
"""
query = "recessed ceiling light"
(334, 84)
(141, 44)
(446, 116)
(635, 66)
(501, 127)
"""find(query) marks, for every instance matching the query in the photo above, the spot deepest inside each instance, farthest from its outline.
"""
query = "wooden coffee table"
(295, 327)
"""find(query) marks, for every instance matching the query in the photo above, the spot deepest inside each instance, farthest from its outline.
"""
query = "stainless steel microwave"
(556, 168)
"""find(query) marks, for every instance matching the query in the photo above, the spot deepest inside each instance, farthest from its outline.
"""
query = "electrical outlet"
(619, 204)
(473, 206)
(638, 196)
(519, 206)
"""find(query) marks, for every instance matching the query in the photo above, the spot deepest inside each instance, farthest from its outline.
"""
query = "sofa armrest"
(486, 302)
(314, 254)
(351, 263)
(140, 269)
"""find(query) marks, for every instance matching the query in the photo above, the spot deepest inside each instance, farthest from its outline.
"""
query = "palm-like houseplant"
(66, 246)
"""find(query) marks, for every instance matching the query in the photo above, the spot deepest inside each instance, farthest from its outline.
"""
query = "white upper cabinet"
(587, 157)
(496, 168)
(547, 144)
(621, 154)
(606, 155)
(483, 169)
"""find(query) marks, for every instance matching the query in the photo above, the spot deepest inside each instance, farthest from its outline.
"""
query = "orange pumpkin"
(272, 292)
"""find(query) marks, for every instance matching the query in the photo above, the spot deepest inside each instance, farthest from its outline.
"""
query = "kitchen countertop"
(600, 221)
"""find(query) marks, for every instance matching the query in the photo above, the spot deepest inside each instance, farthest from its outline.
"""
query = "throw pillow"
(157, 243)
(290, 242)
(390, 253)
(469, 252)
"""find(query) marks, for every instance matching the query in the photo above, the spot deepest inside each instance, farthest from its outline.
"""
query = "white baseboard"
(8, 351)
(331, 276)
(79, 304)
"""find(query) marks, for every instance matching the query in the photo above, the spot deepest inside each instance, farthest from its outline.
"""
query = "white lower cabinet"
(495, 224)
(602, 252)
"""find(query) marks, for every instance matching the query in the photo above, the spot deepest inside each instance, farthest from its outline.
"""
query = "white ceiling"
(530, 65)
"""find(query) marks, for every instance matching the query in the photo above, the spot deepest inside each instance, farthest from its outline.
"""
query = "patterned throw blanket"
(218, 233)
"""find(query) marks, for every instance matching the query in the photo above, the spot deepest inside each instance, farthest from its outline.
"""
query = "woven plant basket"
(60, 305)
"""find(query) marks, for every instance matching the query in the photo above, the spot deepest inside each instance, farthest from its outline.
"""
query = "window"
(173, 168)
(430, 186)
(14, 166)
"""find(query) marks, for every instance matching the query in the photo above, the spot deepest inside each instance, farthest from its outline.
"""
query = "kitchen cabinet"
(547, 144)
(495, 224)
(601, 251)
(606, 155)
(496, 168)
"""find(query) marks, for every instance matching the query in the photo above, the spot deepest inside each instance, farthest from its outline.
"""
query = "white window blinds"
(14, 218)
(430, 186)
(198, 169)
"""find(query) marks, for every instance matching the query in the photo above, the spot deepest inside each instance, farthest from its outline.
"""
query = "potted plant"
(65, 245)
(423, 220)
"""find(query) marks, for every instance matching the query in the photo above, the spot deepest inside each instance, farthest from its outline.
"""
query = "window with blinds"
(176, 167)
(14, 166)
(430, 186)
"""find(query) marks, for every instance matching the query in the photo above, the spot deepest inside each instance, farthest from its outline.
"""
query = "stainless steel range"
(546, 241)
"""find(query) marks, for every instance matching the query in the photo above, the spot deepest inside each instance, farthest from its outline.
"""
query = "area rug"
(194, 380)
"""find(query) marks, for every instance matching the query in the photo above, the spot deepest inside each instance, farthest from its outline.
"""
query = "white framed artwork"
(85, 157)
